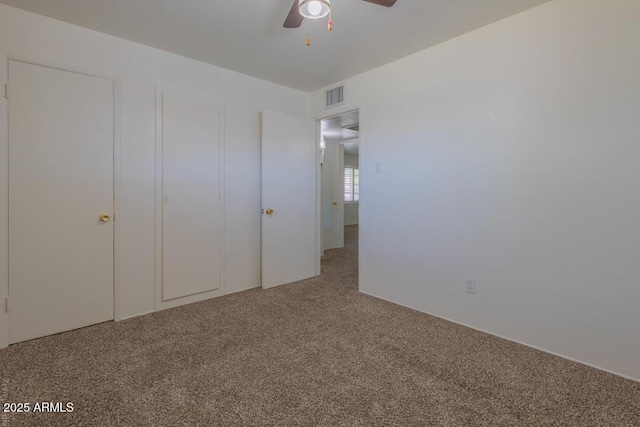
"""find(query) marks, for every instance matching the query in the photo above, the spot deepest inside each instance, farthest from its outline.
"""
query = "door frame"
(318, 178)
(4, 180)
(319, 237)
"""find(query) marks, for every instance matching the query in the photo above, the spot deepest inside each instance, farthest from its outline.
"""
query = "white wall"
(517, 147)
(138, 68)
(351, 160)
(351, 208)
(4, 209)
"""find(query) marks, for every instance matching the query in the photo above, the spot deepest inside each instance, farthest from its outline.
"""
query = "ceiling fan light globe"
(314, 9)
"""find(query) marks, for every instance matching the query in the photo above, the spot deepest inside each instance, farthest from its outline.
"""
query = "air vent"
(335, 96)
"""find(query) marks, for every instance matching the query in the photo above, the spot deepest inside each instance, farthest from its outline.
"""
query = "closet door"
(191, 196)
(60, 200)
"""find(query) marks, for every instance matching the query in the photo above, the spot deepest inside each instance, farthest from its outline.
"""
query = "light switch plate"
(471, 285)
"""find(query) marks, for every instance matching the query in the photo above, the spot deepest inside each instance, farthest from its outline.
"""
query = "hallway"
(340, 266)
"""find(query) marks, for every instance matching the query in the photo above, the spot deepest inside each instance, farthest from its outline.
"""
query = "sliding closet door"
(191, 206)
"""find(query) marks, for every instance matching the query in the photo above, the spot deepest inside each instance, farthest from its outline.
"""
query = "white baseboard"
(509, 339)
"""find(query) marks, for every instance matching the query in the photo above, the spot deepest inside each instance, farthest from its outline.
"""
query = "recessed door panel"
(191, 237)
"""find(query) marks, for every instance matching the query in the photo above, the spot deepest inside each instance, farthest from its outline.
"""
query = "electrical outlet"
(471, 285)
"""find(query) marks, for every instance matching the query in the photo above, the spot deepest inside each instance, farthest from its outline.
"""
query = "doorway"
(340, 181)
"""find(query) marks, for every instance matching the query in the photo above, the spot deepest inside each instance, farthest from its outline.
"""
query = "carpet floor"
(315, 352)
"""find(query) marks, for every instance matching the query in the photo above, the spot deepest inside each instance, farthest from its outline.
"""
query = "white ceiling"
(341, 127)
(247, 36)
(344, 129)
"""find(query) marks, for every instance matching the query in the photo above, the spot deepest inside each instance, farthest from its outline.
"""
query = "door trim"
(319, 249)
(4, 186)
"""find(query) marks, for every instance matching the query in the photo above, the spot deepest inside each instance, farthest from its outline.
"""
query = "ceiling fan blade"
(385, 3)
(294, 19)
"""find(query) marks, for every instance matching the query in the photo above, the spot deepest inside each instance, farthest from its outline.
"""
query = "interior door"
(333, 225)
(327, 177)
(60, 200)
(290, 220)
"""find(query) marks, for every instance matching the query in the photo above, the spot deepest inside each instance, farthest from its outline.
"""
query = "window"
(351, 184)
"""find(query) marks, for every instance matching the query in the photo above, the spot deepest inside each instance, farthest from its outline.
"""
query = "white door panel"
(191, 238)
(333, 230)
(289, 168)
(328, 173)
(60, 182)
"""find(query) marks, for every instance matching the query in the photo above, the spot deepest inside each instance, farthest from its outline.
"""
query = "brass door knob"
(105, 217)
(269, 211)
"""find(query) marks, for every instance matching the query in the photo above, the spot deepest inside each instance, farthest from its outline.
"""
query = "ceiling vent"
(335, 96)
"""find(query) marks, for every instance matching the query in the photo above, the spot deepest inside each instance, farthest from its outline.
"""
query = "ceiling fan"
(316, 9)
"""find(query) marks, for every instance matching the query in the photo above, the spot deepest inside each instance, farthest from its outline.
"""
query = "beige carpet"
(311, 353)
